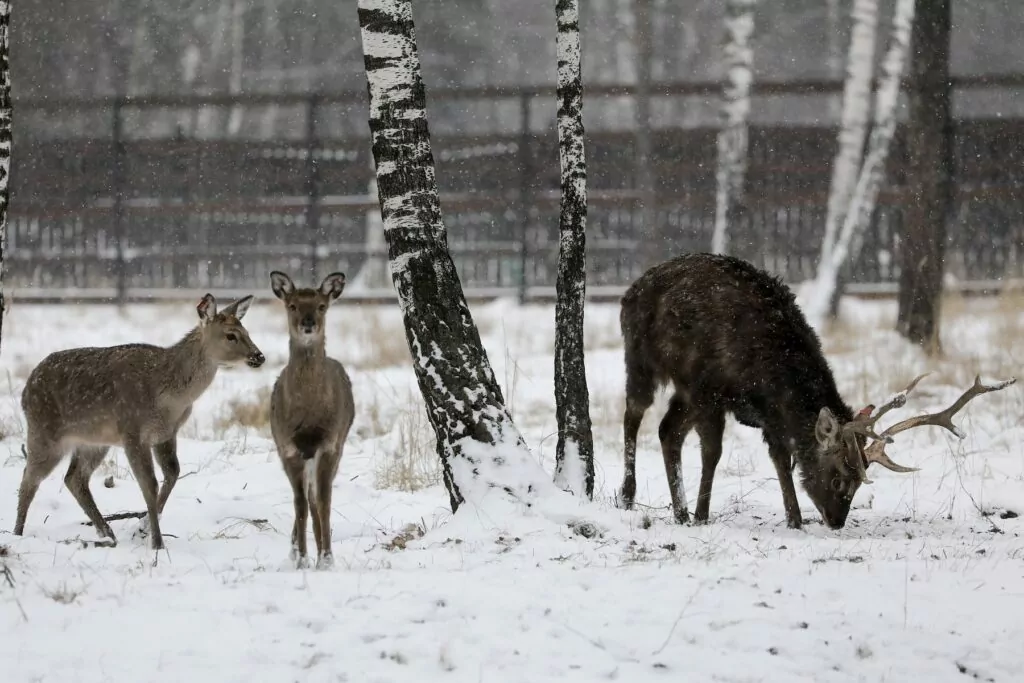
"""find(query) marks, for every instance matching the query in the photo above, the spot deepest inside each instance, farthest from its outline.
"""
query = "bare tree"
(479, 446)
(574, 459)
(5, 141)
(862, 200)
(930, 177)
(860, 68)
(732, 138)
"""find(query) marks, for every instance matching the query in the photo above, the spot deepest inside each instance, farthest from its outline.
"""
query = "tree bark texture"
(853, 131)
(868, 180)
(574, 459)
(730, 176)
(930, 177)
(5, 142)
(480, 448)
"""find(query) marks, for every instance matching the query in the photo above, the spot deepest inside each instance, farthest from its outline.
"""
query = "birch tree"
(480, 448)
(732, 138)
(862, 202)
(860, 69)
(574, 459)
(5, 142)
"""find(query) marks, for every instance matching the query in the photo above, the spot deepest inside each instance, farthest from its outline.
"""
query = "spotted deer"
(730, 338)
(135, 396)
(311, 411)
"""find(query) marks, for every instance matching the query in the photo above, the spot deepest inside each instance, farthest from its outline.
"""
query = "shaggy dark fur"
(731, 339)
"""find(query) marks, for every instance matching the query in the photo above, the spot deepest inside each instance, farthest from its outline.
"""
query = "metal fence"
(125, 198)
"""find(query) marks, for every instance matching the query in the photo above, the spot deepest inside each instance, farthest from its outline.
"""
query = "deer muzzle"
(256, 359)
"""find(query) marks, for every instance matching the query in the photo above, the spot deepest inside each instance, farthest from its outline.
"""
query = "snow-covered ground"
(925, 582)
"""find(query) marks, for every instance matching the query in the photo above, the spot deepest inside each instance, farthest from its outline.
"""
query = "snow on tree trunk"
(481, 450)
(860, 68)
(574, 459)
(732, 138)
(5, 141)
(869, 181)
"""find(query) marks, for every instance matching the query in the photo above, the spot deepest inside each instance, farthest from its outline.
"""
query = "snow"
(920, 584)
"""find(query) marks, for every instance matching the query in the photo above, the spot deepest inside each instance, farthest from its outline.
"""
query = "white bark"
(732, 138)
(860, 68)
(865, 195)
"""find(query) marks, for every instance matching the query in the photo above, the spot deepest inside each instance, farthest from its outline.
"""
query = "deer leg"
(313, 495)
(140, 459)
(710, 431)
(84, 461)
(293, 467)
(783, 461)
(672, 432)
(166, 455)
(639, 397)
(42, 457)
(325, 483)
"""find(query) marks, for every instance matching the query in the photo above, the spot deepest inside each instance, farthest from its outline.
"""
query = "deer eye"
(322, 308)
(231, 337)
(291, 307)
(837, 484)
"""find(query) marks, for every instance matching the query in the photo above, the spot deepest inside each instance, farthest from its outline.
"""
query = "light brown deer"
(135, 396)
(311, 411)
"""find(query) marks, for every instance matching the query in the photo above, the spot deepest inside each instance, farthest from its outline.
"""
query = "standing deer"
(135, 396)
(730, 338)
(311, 411)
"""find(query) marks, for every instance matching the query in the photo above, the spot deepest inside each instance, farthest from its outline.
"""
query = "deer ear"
(207, 309)
(281, 284)
(333, 285)
(239, 308)
(827, 428)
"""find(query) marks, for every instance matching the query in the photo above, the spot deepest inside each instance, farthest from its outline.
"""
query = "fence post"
(312, 184)
(117, 181)
(525, 190)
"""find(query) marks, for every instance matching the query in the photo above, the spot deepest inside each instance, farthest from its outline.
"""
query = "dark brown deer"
(730, 338)
(311, 411)
(135, 396)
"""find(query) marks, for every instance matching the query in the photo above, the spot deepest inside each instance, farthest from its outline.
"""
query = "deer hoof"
(325, 561)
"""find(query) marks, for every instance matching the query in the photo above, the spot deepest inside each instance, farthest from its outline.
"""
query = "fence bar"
(525, 192)
(118, 183)
(312, 212)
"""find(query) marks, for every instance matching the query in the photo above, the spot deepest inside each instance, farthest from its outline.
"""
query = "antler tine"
(875, 452)
(944, 418)
(897, 400)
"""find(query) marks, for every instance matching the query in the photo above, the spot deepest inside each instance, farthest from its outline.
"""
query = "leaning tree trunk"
(865, 196)
(930, 178)
(5, 141)
(480, 448)
(574, 459)
(860, 67)
(732, 138)
(862, 200)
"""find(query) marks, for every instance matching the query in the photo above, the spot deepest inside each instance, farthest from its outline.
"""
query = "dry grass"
(410, 463)
(374, 338)
(251, 411)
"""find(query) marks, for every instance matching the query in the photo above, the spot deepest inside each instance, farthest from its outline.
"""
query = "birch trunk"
(5, 142)
(480, 448)
(869, 181)
(732, 138)
(574, 459)
(860, 68)
(930, 178)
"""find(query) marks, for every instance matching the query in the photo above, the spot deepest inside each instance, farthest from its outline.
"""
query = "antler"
(875, 452)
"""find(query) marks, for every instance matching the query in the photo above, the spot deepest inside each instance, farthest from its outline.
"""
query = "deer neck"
(306, 356)
(189, 370)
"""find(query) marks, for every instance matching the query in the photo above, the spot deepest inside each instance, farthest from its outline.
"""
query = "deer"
(134, 396)
(311, 412)
(730, 339)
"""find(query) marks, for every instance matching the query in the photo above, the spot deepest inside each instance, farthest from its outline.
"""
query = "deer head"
(226, 341)
(307, 308)
(847, 454)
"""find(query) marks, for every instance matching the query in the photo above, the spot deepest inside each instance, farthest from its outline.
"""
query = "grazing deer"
(730, 338)
(311, 411)
(135, 396)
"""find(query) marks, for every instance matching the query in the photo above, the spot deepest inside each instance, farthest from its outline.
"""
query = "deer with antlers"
(730, 339)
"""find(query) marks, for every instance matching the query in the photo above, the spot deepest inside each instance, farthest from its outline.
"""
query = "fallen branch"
(120, 515)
